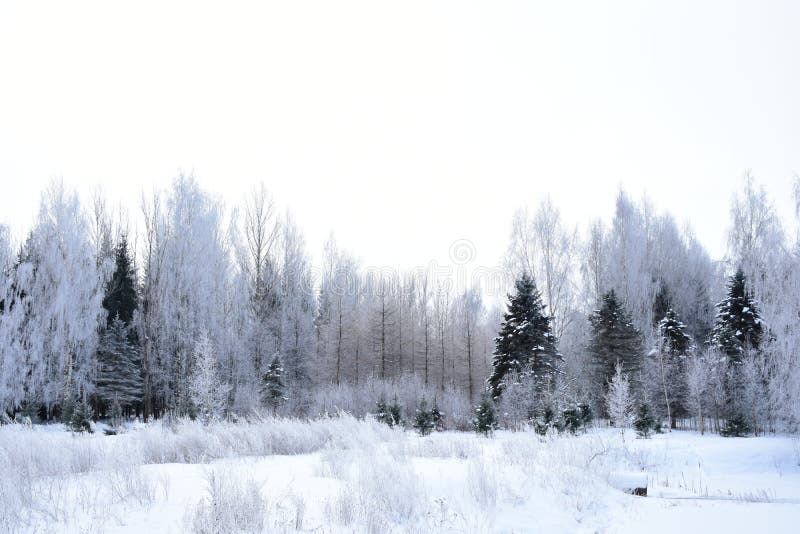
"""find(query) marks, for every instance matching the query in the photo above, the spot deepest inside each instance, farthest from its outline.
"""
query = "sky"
(405, 126)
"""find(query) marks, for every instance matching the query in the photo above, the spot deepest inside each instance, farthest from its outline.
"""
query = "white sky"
(403, 126)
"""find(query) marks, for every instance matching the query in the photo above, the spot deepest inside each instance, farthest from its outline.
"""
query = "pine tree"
(485, 421)
(525, 341)
(119, 375)
(274, 388)
(614, 340)
(738, 324)
(423, 421)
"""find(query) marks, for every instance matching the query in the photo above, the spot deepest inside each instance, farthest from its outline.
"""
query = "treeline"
(211, 312)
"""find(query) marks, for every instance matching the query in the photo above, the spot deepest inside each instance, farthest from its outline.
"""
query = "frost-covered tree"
(618, 399)
(525, 340)
(208, 392)
(119, 372)
(543, 247)
(59, 292)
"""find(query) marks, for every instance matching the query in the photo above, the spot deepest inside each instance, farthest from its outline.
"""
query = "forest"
(191, 308)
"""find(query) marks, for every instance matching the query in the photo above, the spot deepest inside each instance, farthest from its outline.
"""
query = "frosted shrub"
(233, 505)
(482, 482)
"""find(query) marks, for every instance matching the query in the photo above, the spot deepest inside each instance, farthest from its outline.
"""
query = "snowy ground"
(344, 475)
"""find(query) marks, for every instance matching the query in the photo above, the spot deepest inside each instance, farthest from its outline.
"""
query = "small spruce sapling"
(423, 421)
(395, 414)
(735, 427)
(382, 412)
(645, 422)
(572, 420)
(587, 415)
(81, 420)
(437, 417)
(485, 421)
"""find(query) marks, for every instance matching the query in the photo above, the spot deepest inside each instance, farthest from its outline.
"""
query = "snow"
(356, 476)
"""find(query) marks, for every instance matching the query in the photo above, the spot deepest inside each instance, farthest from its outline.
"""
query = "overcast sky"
(404, 126)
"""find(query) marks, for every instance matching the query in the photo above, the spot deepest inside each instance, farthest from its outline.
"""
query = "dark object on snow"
(634, 483)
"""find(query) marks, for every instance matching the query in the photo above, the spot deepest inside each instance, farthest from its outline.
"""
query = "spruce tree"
(382, 412)
(121, 300)
(738, 324)
(661, 304)
(437, 417)
(485, 421)
(674, 345)
(423, 420)
(645, 422)
(119, 375)
(737, 332)
(525, 342)
(274, 388)
(395, 413)
(81, 419)
(614, 340)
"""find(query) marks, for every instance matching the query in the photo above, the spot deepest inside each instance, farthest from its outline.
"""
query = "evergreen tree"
(525, 341)
(661, 304)
(437, 417)
(395, 413)
(572, 419)
(423, 421)
(81, 419)
(382, 412)
(674, 345)
(274, 388)
(614, 340)
(485, 421)
(119, 375)
(618, 401)
(738, 324)
(735, 427)
(644, 422)
(121, 300)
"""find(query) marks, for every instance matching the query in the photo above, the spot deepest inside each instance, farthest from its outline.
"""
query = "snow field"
(341, 474)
